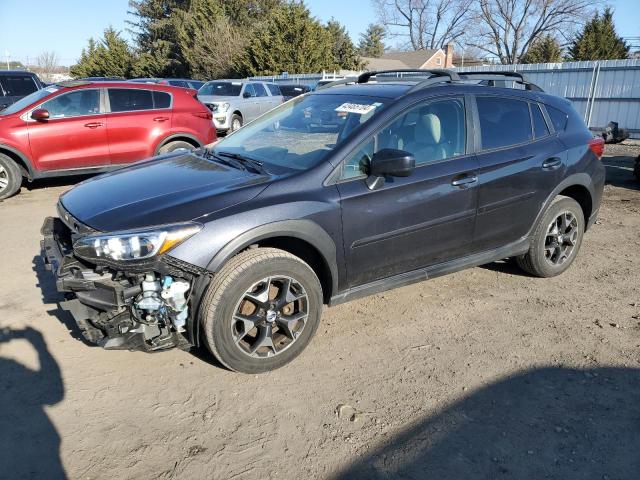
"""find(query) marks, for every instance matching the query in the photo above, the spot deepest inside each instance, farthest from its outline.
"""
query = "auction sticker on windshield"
(358, 108)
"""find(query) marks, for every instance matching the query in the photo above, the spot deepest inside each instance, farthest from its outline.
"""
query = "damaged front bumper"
(145, 306)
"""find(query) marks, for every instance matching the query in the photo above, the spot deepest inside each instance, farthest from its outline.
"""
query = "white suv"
(236, 102)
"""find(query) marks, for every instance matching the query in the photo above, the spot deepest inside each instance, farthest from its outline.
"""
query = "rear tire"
(556, 239)
(176, 145)
(636, 170)
(10, 177)
(261, 310)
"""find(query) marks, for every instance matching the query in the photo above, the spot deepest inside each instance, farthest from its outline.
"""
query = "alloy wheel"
(4, 178)
(270, 316)
(561, 238)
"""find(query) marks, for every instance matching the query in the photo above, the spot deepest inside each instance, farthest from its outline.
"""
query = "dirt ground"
(482, 374)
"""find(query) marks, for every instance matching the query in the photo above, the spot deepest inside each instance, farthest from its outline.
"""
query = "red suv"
(85, 127)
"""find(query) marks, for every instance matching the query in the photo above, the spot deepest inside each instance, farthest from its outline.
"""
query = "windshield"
(221, 89)
(28, 100)
(301, 132)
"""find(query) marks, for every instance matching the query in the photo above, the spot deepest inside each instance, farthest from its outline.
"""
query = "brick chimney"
(448, 55)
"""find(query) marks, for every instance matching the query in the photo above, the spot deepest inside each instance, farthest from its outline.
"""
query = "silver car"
(236, 102)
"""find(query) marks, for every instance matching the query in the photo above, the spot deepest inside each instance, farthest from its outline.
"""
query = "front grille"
(212, 106)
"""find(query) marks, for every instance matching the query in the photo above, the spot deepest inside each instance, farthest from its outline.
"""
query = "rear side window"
(539, 124)
(130, 99)
(161, 100)
(274, 89)
(558, 118)
(260, 90)
(249, 89)
(503, 122)
(18, 86)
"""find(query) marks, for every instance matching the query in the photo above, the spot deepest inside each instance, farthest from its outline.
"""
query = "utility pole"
(6, 54)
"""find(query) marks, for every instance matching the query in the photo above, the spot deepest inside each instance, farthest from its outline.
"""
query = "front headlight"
(223, 107)
(135, 244)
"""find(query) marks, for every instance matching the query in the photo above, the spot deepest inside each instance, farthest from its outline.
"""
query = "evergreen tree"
(599, 40)
(110, 56)
(371, 42)
(289, 40)
(156, 26)
(345, 54)
(545, 49)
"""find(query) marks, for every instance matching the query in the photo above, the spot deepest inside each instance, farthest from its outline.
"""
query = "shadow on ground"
(620, 172)
(50, 297)
(555, 423)
(55, 182)
(29, 442)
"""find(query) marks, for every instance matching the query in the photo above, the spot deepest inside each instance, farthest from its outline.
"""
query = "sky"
(28, 27)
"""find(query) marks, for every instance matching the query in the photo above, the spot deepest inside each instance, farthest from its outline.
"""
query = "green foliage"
(545, 49)
(289, 40)
(345, 54)
(157, 25)
(599, 40)
(109, 56)
(371, 42)
(209, 39)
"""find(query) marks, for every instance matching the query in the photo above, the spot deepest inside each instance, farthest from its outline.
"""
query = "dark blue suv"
(367, 184)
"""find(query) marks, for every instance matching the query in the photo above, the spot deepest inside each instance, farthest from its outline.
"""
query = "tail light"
(596, 145)
(205, 115)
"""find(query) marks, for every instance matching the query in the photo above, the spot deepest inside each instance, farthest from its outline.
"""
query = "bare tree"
(425, 23)
(47, 63)
(507, 28)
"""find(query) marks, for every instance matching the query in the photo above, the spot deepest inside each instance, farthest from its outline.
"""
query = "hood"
(168, 189)
(218, 98)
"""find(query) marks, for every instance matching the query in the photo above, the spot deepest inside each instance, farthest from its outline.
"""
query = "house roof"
(414, 59)
(372, 63)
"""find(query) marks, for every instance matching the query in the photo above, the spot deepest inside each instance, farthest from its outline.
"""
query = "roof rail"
(440, 75)
(366, 76)
(493, 76)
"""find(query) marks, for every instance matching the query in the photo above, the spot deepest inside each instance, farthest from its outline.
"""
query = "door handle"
(93, 125)
(161, 119)
(464, 181)
(551, 163)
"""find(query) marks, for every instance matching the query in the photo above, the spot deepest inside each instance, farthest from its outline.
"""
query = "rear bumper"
(100, 299)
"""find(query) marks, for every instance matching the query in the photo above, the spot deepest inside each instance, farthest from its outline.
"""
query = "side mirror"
(40, 115)
(389, 162)
(247, 95)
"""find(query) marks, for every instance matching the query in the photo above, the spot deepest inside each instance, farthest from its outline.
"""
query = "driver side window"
(432, 131)
(74, 104)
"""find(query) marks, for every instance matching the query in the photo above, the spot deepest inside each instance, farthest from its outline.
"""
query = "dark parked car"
(174, 82)
(17, 84)
(238, 246)
(88, 127)
(291, 91)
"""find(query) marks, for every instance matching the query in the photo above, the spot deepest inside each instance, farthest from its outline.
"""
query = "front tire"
(236, 123)
(261, 310)
(10, 177)
(556, 239)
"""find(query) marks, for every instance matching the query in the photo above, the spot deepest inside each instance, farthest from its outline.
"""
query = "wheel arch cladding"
(580, 194)
(577, 186)
(302, 238)
(178, 137)
(23, 163)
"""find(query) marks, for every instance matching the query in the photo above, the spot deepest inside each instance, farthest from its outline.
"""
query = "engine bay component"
(162, 302)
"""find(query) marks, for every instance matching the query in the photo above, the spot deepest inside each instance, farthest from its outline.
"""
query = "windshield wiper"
(229, 162)
(256, 165)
